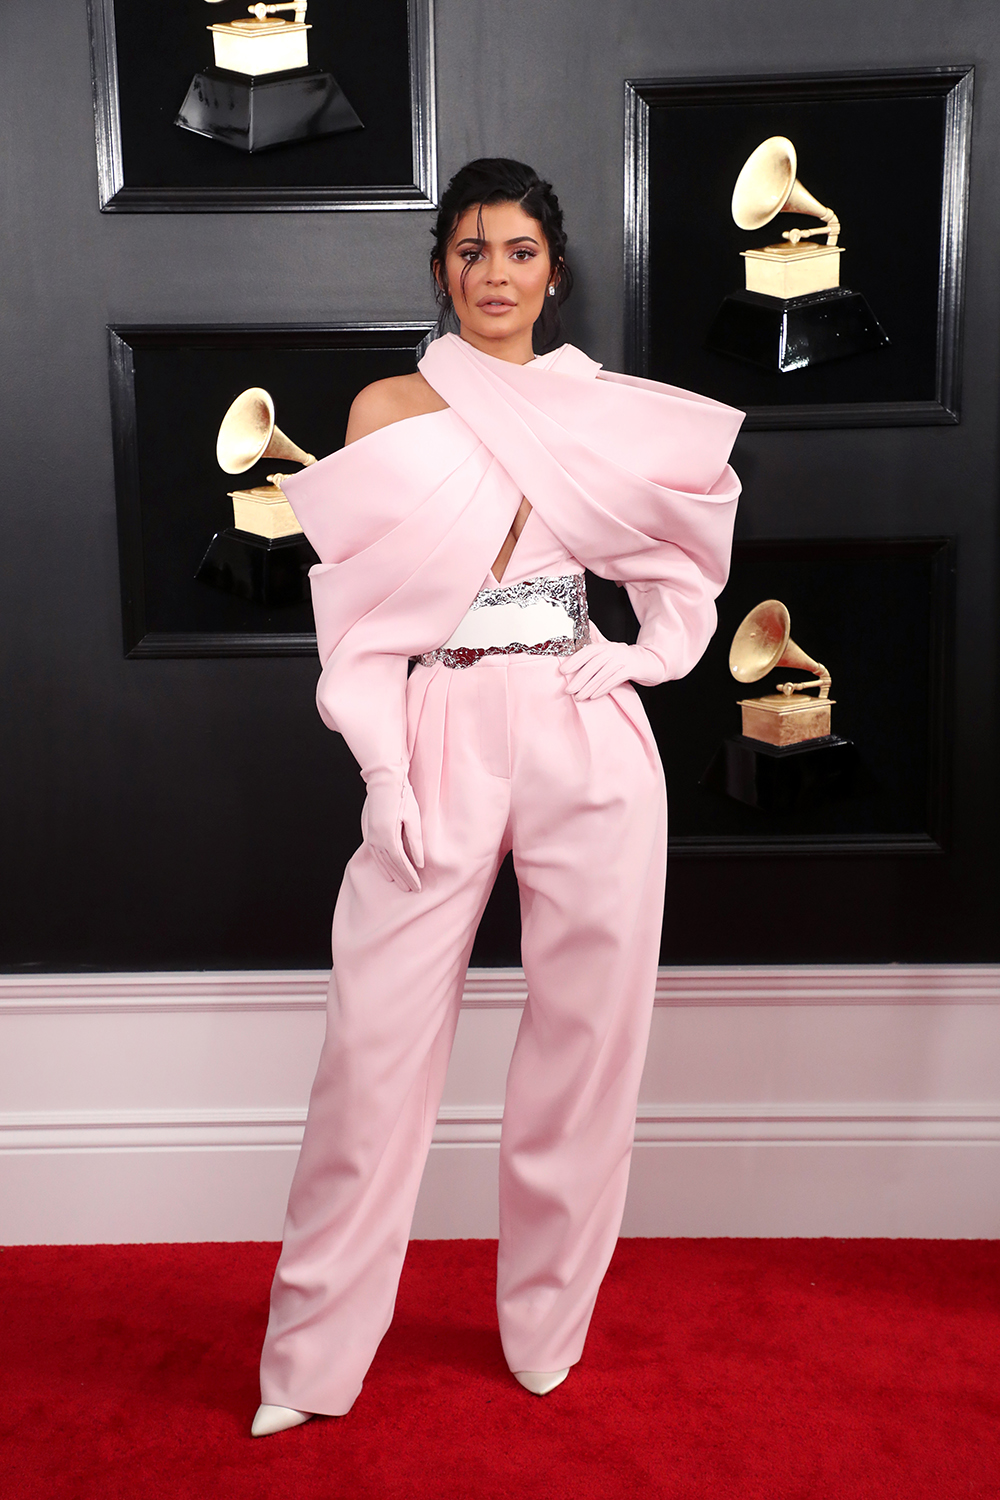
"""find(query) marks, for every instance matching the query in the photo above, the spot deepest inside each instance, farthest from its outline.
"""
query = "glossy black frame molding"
(940, 730)
(954, 83)
(138, 641)
(116, 197)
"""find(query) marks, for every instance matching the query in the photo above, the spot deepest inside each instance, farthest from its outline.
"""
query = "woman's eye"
(524, 254)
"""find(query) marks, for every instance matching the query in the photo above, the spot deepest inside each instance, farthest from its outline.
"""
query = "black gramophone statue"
(262, 91)
(794, 312)
(263, 556)
(786, 759)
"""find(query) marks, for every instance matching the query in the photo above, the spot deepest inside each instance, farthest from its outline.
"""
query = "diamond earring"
(552, 291)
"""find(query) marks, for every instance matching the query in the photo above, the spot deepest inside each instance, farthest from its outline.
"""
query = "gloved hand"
(604, 665)
(390, 826)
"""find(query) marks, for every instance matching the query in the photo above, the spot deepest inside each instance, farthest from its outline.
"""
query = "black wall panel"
(195, 813)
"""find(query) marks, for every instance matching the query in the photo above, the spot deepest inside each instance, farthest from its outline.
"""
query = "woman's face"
(497, 270)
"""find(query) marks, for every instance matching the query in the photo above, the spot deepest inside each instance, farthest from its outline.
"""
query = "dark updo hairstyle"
(497, 179)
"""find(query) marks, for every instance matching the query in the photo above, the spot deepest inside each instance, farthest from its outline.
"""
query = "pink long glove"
(390, 826)
(364, 697)
(670, 642)
(604, 665)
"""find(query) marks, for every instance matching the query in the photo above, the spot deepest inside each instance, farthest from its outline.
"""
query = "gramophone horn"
(764, 642)
(248, 433)
(767, 186)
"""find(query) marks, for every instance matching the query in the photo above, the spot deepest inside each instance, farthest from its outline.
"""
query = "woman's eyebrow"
(521, 239)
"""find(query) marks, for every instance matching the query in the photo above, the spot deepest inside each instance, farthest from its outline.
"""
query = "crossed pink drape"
(632, 476)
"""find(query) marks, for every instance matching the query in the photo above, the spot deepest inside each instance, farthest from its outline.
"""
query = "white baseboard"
(472, 1125)
(247, 990)
(798, 1101)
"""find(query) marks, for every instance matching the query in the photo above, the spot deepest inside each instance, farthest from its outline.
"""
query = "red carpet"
(715, 1370)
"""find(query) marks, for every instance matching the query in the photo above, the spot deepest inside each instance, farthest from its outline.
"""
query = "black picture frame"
(685, 141)
(170, 387)
(879, 613)
(384, 62)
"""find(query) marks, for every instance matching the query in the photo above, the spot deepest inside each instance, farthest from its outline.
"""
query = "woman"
(453, 528)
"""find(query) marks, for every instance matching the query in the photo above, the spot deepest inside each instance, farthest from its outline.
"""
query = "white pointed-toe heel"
(539, 1383)
(276, 1418)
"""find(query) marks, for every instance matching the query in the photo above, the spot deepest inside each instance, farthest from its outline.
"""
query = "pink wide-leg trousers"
(502, 758)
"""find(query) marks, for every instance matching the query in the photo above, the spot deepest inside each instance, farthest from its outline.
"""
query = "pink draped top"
(625, 476)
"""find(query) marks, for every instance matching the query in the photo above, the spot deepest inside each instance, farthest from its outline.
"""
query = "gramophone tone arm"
(305, 461)
(262, 11)
(823, 683)
(830, 227)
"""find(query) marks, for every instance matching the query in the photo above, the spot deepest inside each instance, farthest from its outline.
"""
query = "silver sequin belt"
(539, 617)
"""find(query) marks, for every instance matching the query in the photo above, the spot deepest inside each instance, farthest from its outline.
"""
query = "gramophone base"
(779, 720)
(254, 114)
(782, 334)
(782, 779)
(263, 570)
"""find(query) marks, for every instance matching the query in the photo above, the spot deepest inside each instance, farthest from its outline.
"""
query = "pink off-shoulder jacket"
(630, 475)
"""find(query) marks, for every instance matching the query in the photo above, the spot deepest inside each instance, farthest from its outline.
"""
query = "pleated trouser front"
(502, 758)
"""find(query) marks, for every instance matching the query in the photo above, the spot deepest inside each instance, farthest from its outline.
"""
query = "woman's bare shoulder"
(392, 400)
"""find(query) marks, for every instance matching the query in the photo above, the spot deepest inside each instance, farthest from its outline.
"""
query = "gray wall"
(122, 780)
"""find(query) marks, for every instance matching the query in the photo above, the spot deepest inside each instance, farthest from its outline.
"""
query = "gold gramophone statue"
(786, 759)
(248, 434)
(261, 90)
(793, 312)
(762, 643)
(263, 556)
